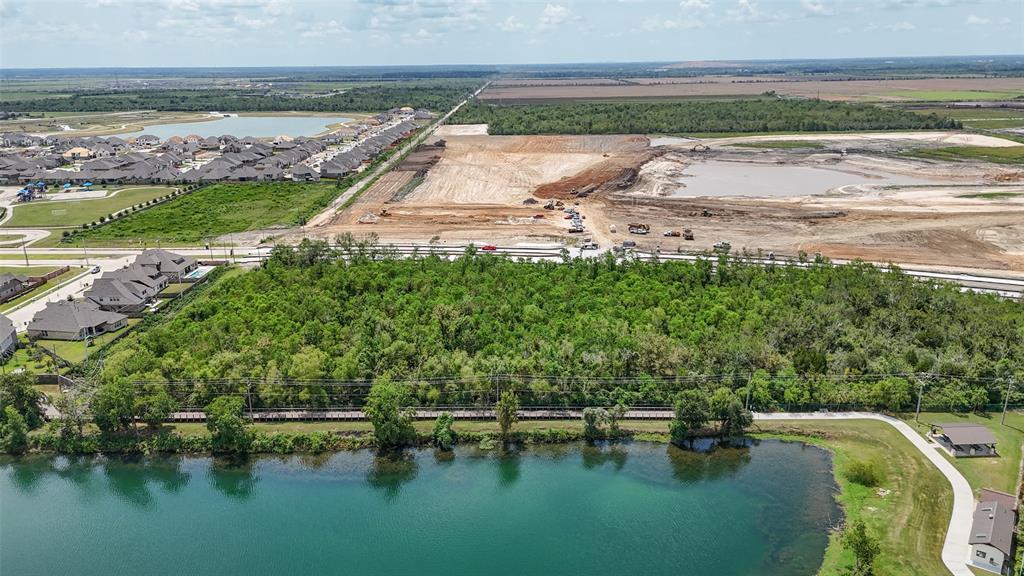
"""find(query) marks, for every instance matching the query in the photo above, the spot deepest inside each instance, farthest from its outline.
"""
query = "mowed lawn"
(998, 473)
(216, 210)
(908, 512)
(70, 213)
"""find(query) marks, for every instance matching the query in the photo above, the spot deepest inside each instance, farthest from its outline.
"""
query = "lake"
(726, 178)
(636, 508)
(242, 126)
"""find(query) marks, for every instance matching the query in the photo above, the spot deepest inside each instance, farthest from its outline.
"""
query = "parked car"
(95, 270)
(489, 247)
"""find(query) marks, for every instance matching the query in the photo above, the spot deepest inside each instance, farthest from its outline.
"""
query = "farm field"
(931, 89)
(981, 118)
(215, 211)
(71, 213)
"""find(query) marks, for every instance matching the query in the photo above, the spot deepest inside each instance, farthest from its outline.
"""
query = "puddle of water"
(718, 178)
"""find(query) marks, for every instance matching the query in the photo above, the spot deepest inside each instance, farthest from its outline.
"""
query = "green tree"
(615, 415)
(226, 423)
(864, 546)
(728, 409)
(73, 407)
(594, 420)
(113, 406)
(155, 406)
(387, 408)
(506, 410)
(443, 435)
(19, 392)
(691, 415)
(14, 431)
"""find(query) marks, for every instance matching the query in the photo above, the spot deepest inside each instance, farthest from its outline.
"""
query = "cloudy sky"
(77, 33)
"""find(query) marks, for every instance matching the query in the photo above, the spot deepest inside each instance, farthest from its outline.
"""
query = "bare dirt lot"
(937, 89)
(493, 188)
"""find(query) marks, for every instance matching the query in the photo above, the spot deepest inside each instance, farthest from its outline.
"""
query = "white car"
(95, 270)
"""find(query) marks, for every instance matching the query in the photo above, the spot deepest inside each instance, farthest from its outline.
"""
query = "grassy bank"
(909, 511)
(1005, 155)
(57, 213)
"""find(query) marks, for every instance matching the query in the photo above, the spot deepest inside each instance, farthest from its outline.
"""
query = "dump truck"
(638, 228)
(687, 234)
(671, 234)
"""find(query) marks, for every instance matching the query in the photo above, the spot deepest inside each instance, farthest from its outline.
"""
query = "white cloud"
(891, 27)
(974, 20)
(510, 24)
(421, 36)
(695, 4)
(816, 8)
(656, 23)
(320, 29)
(444, 15)
(750, 11)
(554, 15)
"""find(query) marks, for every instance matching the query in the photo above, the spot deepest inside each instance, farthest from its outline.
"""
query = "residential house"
(77, 153)
(8, 337)
(992, 531)
(303, 172)
(128, 290)
(74, 320)
(174, 266)
(11, 285)
(147, 141)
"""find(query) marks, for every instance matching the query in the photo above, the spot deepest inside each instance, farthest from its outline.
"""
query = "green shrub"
(864, 473)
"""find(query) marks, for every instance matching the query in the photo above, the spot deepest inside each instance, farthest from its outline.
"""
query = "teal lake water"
(242, 126)
(631, 509)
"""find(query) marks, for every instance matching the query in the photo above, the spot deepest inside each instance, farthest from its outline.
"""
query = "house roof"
(1002, 498)
(6, 327)
(164, 260)
(963, 434)
(993, 525)
(6, 278)
(72, 316)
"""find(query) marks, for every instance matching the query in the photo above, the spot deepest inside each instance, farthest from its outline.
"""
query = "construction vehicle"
(575, 229)
(589, 244)
(384, 212)
(722, 246)
(550, 205)
(671, 234)
(638, 228)
(628, 244)
(687, 234)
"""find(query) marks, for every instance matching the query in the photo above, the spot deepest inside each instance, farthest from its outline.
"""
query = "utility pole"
(85, 249)
(1006, 398)
(25, 252)
(920, 392)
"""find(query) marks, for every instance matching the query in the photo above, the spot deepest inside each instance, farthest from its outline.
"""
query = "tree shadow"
(509, 462)
(722, 459)
(390, 471)
(234, 476)
(598, 454)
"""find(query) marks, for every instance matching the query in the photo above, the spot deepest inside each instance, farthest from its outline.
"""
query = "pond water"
(635, 508)
(242, 126)
(724, 178)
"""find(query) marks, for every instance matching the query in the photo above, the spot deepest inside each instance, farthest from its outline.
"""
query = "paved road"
(24, 313)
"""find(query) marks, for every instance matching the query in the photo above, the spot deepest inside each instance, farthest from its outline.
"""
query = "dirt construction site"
(869, 196)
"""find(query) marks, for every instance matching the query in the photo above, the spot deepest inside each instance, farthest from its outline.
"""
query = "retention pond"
(762, 509)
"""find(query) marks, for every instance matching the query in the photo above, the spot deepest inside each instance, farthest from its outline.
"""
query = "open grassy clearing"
(27, 270)
(214, 211)
(70, 213)
(956, 95)
(910, 520)
(992, 195)
(1004, 155)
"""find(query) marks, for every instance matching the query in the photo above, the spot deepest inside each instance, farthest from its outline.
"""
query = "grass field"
(992, 195)
(1006, 155)
(981, 118)
(214, 211)
(956, 95)
(71, 213)
(27, 270)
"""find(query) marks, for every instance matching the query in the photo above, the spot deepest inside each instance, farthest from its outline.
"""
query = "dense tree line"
(597, 332)
(438, 95)
(755, 115)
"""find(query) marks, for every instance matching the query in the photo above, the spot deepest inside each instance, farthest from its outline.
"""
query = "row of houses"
(112, 298)
(345, 162)
(145, 159)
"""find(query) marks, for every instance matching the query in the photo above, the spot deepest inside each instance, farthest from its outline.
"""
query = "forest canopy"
(754, 115)
(584, 332)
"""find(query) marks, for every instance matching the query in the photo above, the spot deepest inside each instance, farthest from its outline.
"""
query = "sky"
(151, 33)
